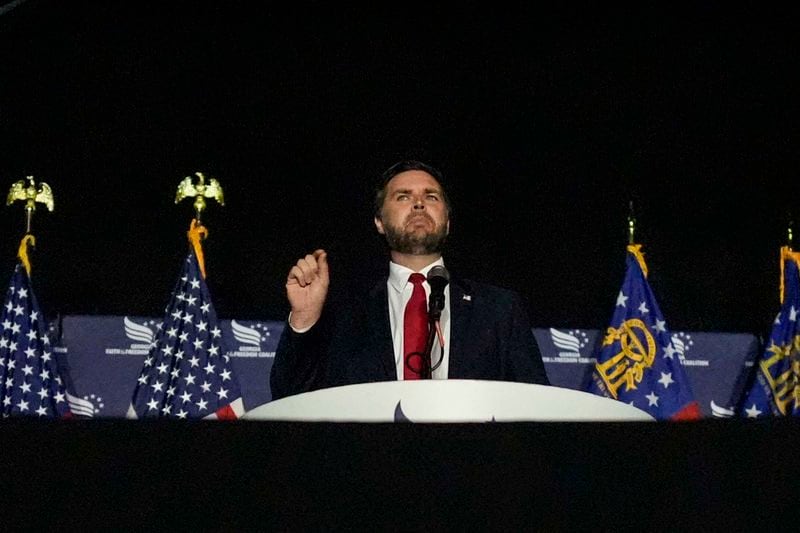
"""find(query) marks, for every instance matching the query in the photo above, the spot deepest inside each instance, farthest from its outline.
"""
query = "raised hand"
(307, 288)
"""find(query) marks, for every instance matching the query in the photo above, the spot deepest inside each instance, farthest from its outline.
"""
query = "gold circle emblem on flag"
(637, 352)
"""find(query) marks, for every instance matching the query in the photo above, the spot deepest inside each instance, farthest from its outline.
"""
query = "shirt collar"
(398, 274)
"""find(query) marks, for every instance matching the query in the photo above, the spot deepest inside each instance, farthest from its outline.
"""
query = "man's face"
(414, 216)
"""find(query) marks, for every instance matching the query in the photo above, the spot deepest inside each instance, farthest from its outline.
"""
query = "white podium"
(451, 400)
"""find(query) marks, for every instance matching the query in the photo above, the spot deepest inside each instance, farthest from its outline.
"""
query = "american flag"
(32, 384)
(186, 373)
(638, 363)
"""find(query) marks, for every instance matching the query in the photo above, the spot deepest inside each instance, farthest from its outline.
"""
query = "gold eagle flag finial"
(199, 191)
(31, 194)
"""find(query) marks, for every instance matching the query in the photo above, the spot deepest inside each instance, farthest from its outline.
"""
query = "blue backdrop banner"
(101, 357)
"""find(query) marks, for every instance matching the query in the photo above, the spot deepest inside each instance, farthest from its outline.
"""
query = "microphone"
(438, 278)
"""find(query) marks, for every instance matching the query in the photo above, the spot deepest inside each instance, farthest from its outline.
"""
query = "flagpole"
(631, 223)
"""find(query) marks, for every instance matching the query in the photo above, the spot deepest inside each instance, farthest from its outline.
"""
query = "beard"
(415, 243)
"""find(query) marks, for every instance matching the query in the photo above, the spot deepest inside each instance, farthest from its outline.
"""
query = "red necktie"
(415, 329)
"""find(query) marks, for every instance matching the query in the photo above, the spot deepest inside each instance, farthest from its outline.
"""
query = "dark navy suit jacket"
(490, 339)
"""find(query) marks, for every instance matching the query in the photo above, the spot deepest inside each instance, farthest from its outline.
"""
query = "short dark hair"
(403, 166)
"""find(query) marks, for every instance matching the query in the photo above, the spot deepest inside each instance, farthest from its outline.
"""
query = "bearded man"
(470, 330)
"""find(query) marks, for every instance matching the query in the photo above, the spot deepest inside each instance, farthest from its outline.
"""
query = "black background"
(547, 122)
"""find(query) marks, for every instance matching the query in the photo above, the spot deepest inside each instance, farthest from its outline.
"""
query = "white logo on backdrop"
(718, 411)
(249, 339)
(570, 346)
(142, 335)
(88, 406)
(246, 335)
(681, 343)
(138, 332)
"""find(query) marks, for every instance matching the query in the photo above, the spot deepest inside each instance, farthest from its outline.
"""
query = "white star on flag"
(621, 300)
(666, 379)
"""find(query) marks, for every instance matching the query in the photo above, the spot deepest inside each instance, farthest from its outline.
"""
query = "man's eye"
(402, 197)
(433, 197)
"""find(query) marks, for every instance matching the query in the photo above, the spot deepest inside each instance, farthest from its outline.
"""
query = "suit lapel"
(460, 316)
(380, 331)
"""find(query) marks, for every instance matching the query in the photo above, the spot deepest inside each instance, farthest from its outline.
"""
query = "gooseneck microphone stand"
(425, 371)
(426, 368)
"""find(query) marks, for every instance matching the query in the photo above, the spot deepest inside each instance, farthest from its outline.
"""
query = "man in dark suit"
(483, 331)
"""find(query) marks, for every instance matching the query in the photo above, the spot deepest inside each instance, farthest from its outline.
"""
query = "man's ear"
(378, 225)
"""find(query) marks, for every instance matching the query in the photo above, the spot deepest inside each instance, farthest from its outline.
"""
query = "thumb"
(322, 263)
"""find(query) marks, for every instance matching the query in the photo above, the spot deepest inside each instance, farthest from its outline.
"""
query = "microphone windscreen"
(439, 274)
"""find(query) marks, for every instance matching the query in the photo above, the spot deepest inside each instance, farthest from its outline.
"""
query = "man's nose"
(418, 204)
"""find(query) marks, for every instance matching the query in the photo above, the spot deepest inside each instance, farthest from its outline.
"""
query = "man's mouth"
(418, 220)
